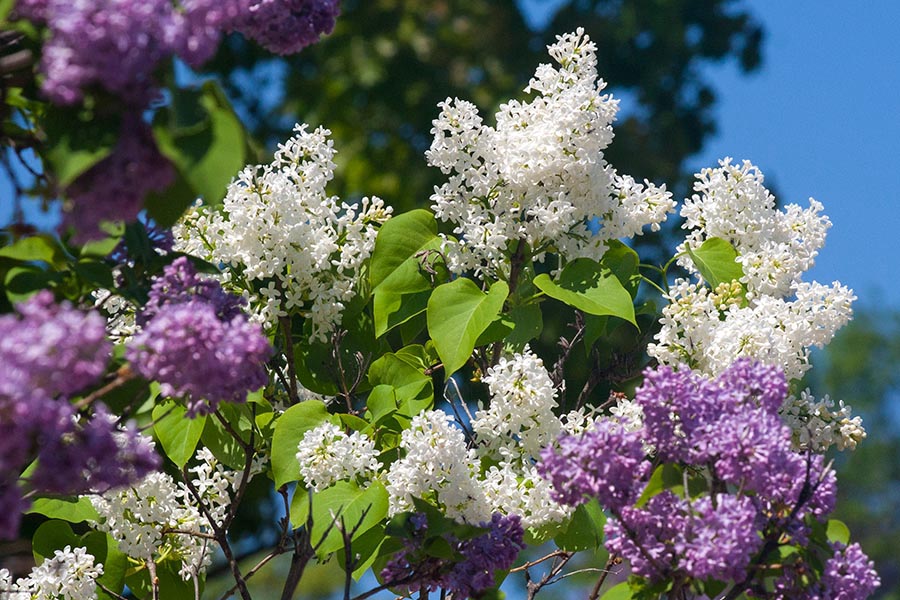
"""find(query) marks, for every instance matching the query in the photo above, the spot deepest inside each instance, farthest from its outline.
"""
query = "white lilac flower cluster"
(770, 314)
(159, 517)
(540, 176)
(290, 246)
(326, 455)
(69, 575)
(497, 474)
(817, 424)
(438, 467)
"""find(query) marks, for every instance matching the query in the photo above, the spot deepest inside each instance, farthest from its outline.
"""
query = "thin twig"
(595, 593)
(289, 357)
(154, 580)
(123, 376)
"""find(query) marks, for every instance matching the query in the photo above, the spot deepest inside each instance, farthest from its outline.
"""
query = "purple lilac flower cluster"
(848, 575)
(725, 435)
(577, 475)
(468, 577)
(49, 352)
(114, 188)
(196, 342)
(118, 44)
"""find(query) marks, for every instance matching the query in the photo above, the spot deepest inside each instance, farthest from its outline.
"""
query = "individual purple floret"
(114, 189)
(181, 283)
(287, 26)
(849, 574)
(494, 550)
(51, 347)
(719, 538)
(606, 463)
(196, 356)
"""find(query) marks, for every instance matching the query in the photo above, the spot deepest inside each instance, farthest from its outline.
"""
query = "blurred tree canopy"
(860, 368)
(376, 80)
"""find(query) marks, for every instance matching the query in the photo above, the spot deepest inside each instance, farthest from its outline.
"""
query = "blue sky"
(822, 119)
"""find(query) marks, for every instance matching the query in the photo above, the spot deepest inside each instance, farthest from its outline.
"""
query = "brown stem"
(123, 376)
(220, 536)
(289, 357)
(154, 580)
(595, 593)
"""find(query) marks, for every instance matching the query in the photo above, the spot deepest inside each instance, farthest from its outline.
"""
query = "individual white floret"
(326, 455)
(437, 466)
(539, 177)
(818, 424)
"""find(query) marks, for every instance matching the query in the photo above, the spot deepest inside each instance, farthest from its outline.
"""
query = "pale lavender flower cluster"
(607, 463)
(197, 343)
(725, 431)
(114, 188)
(468, 577)
(119, 44)
(49, 352)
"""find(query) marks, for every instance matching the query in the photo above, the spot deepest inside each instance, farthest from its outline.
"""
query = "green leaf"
(51, 536)
(289, 430)
(458, 313)
(94, 273)
(590, 287)
(221, 442)
(206, 151)
(177, 433)
(664, 477)
(620, 591)
(585, 531)
(715, 259)
(43, 248)
(413, 390)
(77, 139)
(359, 509)
(392, 309)
(100, 248)
(623, 262)
(528, 321)
(394, 263)
(400, 287)
(837, 531)
(71, 509)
